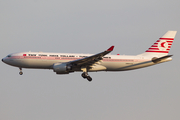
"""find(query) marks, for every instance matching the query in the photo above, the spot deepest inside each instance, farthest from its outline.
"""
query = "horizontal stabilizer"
(155, 60)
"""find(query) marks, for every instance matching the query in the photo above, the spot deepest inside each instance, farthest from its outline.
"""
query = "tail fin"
(162, 46)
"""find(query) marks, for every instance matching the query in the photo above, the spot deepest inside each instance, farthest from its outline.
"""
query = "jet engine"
(61, 68)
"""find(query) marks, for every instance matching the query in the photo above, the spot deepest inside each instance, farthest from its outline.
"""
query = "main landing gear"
(85, 75)
(20, 71)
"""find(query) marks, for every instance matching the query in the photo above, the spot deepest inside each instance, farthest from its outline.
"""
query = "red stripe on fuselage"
(68, 59)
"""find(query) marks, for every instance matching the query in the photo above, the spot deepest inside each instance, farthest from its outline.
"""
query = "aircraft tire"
(84, 75)
(89, 78)
(20, 73)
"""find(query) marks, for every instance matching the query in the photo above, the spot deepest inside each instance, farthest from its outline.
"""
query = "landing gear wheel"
(84, 75)
(21, 73)
(89, 78)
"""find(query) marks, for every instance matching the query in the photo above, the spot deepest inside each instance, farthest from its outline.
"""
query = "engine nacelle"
(61, 68)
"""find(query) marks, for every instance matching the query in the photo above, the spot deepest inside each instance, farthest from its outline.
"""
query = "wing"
(87, 61)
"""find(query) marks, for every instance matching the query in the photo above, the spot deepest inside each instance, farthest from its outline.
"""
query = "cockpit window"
(9, 56)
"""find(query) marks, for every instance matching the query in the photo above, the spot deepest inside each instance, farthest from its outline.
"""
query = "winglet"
(111, 48)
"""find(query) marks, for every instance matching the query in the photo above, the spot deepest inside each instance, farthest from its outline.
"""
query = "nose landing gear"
(20, 71)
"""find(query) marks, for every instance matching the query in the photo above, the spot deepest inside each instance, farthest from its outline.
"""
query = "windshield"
(9, 56)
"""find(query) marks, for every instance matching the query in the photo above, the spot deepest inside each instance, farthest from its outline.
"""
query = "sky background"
(89, 26)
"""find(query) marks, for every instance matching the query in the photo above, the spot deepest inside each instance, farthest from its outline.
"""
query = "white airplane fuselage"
(42, 60)
(65, 63)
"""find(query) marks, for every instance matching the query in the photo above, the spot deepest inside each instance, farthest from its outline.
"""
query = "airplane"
(65, 63)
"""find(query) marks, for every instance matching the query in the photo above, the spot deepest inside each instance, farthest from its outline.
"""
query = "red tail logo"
(162, 45)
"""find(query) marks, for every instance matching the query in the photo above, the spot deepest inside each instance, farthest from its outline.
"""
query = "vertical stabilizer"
(162, 46)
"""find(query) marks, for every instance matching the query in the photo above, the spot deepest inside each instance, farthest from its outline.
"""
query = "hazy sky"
(89, 26)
